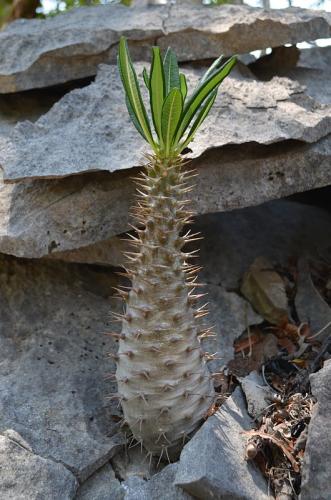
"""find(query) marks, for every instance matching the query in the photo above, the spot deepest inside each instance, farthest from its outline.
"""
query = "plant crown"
(175, 116)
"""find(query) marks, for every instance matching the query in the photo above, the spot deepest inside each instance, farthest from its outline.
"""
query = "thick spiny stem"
(163, 381)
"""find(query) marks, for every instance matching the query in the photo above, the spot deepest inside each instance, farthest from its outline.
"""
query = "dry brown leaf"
(287, 452)
(265, 290)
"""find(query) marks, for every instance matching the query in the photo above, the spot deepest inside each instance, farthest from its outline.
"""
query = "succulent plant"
(164, 384)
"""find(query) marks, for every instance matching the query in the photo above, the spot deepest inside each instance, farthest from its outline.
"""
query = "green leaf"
(131, 87)
(204, 110)
(171, 71)
(203, 91)
(134, 118)
(171, 113)
(146, 78)
(183, 85)
(211, 70)
(157, 89)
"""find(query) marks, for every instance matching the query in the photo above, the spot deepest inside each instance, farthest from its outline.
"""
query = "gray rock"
(237, 29)
(40, 53)
(134, 462)
(160, 487)
(213, 466)
(25, 475)
(315, 82)
(42, 217)
(278, 230)
(265, 289)
(24, 106)
(231, 315)
(312, 70)
(310, 305)
(102, 485)
(257, 394)
(315, 58)
(102, 253)
(53, 362)
(96, 132)
(316, 471)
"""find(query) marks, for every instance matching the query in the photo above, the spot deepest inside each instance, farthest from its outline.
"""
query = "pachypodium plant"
(164, 384)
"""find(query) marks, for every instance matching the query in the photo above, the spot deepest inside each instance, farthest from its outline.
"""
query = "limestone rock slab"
(102, 485)
(53, 217)
(89, 129)
(316, 58)
(257, 394)
(231, 315)
(309, 67)
(40, 53)
(24, 106)
(132, 461)
(317, 460)
(311, 307)
(281, 231)
(229, 28)
(53, 362)
(158, 487)
(25, 475)
(213, 466)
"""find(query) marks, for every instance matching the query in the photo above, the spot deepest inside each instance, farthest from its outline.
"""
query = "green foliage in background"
(5, 8)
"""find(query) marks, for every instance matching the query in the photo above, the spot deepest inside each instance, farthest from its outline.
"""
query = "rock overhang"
(89, 129)
(40, 53)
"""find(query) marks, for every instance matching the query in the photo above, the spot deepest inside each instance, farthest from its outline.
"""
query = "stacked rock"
(67, 153)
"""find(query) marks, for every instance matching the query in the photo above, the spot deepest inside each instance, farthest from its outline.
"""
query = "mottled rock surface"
(311, 307)
(53, 361)
(310, 67)
(45, 217)
(102, 485)
(258, 395)
(238, 29)
(132, 461)
(213, 466)
(281, 231)
(24, 106)
(160, 487)
(236, 314)
(96, 132)
(316, 473)
(40, 53)
(53, 365)
(26, 475)
(316, 58)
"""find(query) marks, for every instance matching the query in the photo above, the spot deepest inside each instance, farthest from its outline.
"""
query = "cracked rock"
(258, 395)
(316, 58)
(60, 217)
(312, 70)
(246, 111)
(231, 315)
(40, 53)
(316, 468)
(213, 466)
(310, 305)
(24, 106)
(133, 462)
(102, 485)
(53, 362)
(159, 487)
(26, 475)
(232, 241)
